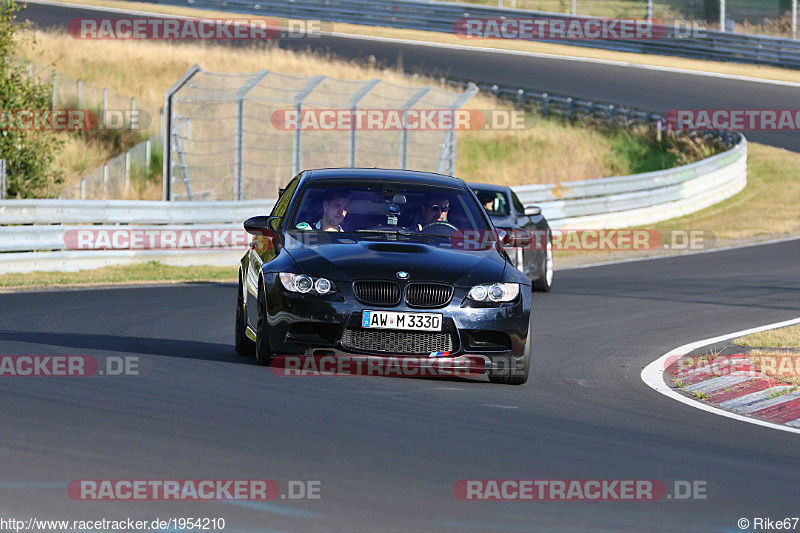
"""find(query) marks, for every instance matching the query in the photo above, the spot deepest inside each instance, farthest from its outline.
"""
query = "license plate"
(407, 321)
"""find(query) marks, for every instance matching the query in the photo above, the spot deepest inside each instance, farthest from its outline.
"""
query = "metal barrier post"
(105, 182)
(147, 156)
(238, 156)
(80, 92)
(55, 83)
(722, 16)
(794, 19)
(298, 106)
(449, 148)
(404, 132)
(353, 103)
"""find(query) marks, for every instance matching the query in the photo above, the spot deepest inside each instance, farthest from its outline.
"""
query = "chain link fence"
(242, 136)
(125, 177)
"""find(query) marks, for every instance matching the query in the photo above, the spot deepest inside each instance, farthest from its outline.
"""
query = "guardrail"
(441, 16)
(34, 233)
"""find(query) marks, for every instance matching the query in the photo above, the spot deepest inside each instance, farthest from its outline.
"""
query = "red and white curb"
(742, 393)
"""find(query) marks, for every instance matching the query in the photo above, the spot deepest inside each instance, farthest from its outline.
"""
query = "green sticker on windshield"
(303, 225)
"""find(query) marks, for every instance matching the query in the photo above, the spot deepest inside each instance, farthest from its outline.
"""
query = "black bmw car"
(535, 257)
(385, 263)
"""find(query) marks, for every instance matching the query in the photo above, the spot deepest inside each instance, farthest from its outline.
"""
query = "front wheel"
(244, 345)
(263, 351)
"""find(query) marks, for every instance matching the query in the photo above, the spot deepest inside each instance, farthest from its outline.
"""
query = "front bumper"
(314, 325)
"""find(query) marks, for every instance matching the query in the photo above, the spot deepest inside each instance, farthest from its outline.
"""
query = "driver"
(334, 209)
(434, 209)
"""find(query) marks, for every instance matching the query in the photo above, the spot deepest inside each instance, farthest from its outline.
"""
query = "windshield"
(494, 202)
(386, 207)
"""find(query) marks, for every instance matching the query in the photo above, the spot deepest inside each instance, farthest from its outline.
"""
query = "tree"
(29, 154)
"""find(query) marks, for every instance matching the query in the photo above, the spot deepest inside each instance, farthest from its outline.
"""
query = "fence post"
(105, 182)
(545, 105)
(83, 188)
(166, 128)
(80, 93)
(105, 106)
(30, 69)
(298, 106)
(238, 155)
(574, 7)
(147, 157)
(127, 174)
(134, 123)
(570, 109)
(2, 179)
(794, 19)
(650, 10)
(55, 83)
(722, 16)
(353, 103)
(404, 132)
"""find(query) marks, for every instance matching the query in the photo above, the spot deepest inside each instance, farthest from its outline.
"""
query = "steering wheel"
(440, 228)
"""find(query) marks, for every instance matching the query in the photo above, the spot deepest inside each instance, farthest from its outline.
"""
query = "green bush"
(29, 155)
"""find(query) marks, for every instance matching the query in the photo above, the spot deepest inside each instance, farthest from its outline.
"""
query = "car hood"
(381, 259)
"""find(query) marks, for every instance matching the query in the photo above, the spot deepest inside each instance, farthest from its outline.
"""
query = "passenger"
(334, 210)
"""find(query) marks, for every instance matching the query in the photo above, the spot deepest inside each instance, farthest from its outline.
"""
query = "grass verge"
(151, 271)
(758, 71)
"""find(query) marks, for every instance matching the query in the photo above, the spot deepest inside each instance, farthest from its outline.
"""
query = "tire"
(263, 352)
(545, 280)
(516, 376)
(244, 344)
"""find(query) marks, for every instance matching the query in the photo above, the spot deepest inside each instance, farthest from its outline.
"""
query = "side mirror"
(261, 225)
(533, 210)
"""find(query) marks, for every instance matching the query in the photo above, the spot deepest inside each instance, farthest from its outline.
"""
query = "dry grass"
(771, 73)
(774, 338)
(769, 205)
(145, 69)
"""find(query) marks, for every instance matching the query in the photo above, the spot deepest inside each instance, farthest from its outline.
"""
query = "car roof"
(489, 187)
(382, 174)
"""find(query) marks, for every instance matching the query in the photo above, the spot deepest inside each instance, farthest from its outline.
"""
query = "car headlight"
(496, 292)
(305, 284)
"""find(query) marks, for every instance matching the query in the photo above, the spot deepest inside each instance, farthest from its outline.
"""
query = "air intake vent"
(397, 342)
(428, 294)
(385, 293)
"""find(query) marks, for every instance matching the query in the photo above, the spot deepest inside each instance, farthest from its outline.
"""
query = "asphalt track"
(388, 451)
(647, 89)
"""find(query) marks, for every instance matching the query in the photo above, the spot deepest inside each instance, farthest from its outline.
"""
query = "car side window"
(279, 210)
(517, 204)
